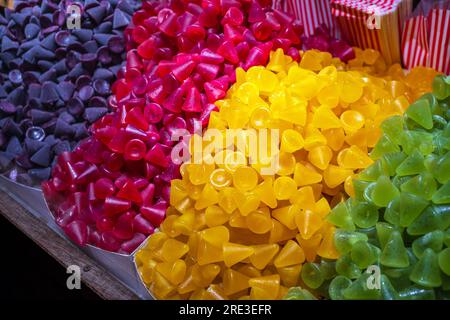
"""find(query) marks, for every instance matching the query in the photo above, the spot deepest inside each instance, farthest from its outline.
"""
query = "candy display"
(114, 189)
(236, 231)
(399, 216)
(55, 81)
(236, 149)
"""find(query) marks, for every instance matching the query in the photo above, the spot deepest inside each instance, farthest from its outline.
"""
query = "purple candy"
(54, 82)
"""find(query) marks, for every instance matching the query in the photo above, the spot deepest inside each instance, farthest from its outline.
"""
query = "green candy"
(337, 286)
(384, 231)
(444, 261)
(442, 195)
(433, 240)
(344, 240)
(393, 128)
(435, 217)
(422, 185)
(359, 290)
(392, 161)
(392, 212)
(417, 140)
(394, 254)
(297, 293)
(440, 87)
(340, 216)
(447, 238)
(374, 171)
(328, 269)
(312, 275)
(445, 282)
(383, 192)
(426, 272)
(417, 293)
(346, 267)
(364, 254)
(384, 145)
(442, 170)
(420, 112)
(411, 206)
(388, 292)
(413, 164)
(399, 218)
(364, 214)
(359, 186)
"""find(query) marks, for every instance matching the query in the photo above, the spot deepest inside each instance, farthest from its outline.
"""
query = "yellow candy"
(234, 253)
(264, 288)
(220, 178)
(242, 222)
(291, 141)
(289, 255)
(320, 156)
(263, 255)
(245, 178)
(284, 188)
(234, 281)
(258, 223)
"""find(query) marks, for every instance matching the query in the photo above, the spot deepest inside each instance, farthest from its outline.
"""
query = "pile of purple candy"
(55, 80)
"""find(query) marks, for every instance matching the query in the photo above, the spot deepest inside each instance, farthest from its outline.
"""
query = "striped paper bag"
(426, 37)
(311, 13)
(375, 24)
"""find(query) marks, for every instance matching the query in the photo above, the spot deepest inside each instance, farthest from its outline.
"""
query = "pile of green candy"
(393, 236)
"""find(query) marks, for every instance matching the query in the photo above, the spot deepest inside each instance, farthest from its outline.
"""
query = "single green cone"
(312, 275)
(387, 290)
(394, 254)
(426, 272)
(364, 214)
(411, 206)
(420, 112)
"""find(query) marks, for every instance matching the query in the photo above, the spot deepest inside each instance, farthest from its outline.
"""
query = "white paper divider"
(120, 266)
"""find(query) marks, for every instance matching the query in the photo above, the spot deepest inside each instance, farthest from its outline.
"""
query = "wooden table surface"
(93, 275)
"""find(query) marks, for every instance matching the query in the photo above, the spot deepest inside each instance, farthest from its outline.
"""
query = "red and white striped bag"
(426, 38)
(311, 13)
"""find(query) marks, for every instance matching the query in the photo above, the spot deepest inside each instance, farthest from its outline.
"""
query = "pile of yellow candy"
(235, 232)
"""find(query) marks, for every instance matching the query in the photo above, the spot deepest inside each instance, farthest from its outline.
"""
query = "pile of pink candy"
(113, 190)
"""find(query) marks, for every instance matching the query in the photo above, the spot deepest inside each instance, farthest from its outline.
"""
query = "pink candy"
(113, 190)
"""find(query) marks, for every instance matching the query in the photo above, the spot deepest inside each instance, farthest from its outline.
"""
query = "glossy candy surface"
(55, 82)
(248, 227)
(181, 58)
(399, 218)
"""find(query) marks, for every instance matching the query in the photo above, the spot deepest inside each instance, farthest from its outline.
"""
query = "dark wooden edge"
(92, 274)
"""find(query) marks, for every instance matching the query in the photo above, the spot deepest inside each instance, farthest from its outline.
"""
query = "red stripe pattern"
(311, 13)
(372, 24)
(426, 41)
